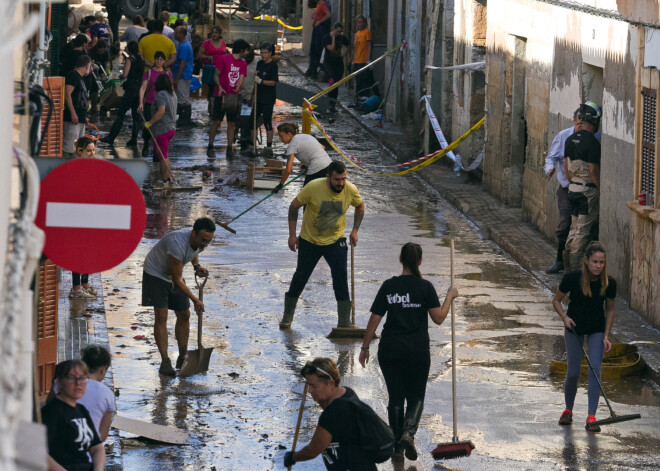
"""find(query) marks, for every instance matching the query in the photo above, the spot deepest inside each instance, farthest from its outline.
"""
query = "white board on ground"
(156, 432)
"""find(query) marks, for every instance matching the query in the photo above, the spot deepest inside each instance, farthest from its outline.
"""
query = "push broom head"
(617, 418)
(448, 451)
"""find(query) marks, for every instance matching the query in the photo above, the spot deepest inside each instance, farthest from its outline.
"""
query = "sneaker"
(179, 361)
(590, 426)
(90, 290)
(408, 443)
(79, 294)
(131, 142)
(166, 368)
(566, 417)
(106, 140)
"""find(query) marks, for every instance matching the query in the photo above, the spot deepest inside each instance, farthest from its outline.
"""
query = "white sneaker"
(90, 290)
(79, 294)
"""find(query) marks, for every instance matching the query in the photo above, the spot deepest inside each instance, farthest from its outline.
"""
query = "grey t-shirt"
(168, 121)
(176, 244)
(310, 153)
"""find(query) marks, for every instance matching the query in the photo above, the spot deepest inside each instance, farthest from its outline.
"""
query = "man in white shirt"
(554, 160)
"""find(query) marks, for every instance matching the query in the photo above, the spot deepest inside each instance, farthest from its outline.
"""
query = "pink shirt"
(151, 75)
(213, 51)
(230, 72)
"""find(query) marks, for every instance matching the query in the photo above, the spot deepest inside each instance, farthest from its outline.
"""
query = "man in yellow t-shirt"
(322, 235)
(155, 41)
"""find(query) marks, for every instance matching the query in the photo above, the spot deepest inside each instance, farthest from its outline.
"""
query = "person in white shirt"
(99, 400)
(554, 161)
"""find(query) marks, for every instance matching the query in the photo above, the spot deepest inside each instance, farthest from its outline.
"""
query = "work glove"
(258, 79)
(147, 125)
(277, 188)
(288, 459)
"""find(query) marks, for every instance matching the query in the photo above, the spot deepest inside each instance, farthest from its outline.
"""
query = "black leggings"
(405, 378)
(78, 279)
(265, 110)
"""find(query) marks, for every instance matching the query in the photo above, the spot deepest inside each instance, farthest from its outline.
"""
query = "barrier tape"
(274, 18)
(350, 76)
(436, 127)
(428, 159)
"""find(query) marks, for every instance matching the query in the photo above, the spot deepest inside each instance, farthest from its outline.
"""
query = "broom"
(455, 448)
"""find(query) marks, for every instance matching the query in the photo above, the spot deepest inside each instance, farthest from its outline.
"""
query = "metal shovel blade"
(197, 361)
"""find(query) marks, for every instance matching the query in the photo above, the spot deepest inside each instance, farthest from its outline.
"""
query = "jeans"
(405, 378)
(308, 256)
(573, 364)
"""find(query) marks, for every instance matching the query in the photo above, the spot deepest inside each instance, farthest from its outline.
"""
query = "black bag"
(376, 437)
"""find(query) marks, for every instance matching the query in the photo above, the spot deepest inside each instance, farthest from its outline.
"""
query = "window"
(647, 183)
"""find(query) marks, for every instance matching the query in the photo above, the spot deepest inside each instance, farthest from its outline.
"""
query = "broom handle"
(353, 283)
(300, 413)
(254, 105)
(453, 350)
(199, 315)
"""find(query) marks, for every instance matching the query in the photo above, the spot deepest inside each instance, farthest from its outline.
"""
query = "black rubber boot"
(289, 310)
(395, 417)
(410, 424)
(566, 257)
(185, 113)
(559, 261)
(344, 313)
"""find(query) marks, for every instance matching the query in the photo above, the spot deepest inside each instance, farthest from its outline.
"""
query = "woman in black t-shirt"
(70, 431)
(590, 288)
(403, 351)
(266, 79)
(337, 434)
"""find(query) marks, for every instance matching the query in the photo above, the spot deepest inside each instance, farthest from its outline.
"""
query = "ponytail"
(411, 255)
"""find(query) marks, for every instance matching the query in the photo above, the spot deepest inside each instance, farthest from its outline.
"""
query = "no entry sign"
(93, 214)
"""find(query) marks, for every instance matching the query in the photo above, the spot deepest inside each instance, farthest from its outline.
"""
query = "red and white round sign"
(93, 214)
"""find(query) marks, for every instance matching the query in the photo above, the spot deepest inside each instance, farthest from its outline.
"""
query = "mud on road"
(242, 413)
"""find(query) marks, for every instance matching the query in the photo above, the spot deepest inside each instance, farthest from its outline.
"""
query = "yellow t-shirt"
(361, 46)
(156, 42)
(324, 221)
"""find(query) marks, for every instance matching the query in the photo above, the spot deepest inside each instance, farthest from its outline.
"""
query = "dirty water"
(241, 414)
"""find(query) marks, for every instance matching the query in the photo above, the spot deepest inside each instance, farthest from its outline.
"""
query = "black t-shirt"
(100, 58)
(584, 146)
(70, 433)
(588, 313)
(79, 96)
(344, 452)
(69, 58)
(267, 94)
(335, 54)
(406, 299)
(137, 71)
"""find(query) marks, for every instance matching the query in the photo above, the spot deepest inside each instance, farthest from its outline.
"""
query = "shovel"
(197, 361)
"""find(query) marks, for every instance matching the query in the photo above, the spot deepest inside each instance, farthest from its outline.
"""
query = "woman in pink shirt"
(148, 94)
(214, 46)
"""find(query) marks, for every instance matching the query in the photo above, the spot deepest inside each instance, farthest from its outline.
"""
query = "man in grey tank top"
(163, 286)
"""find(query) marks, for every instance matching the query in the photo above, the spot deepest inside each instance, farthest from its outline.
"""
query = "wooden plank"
(156, 432)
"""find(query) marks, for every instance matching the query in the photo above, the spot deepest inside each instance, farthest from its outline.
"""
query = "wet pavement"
(242, 413)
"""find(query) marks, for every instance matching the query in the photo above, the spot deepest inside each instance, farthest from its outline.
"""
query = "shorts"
(160, 294)
(219, 113)
(163, 141)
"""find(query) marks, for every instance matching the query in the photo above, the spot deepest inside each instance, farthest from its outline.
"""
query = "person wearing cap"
(582, 167)
(554, 161)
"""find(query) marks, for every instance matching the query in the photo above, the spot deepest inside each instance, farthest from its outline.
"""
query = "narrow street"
(241, 414)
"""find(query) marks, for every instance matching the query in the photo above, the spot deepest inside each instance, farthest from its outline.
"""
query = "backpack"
(376, 437)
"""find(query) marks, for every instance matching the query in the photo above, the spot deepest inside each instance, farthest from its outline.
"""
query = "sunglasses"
(310, 369)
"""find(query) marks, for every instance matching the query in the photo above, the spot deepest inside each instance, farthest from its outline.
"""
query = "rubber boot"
(576, 260)
(566, 257)
(559, 261)
(344, 313)
(395, 417)
(289, 309)
(410, 424)
(184, 115)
